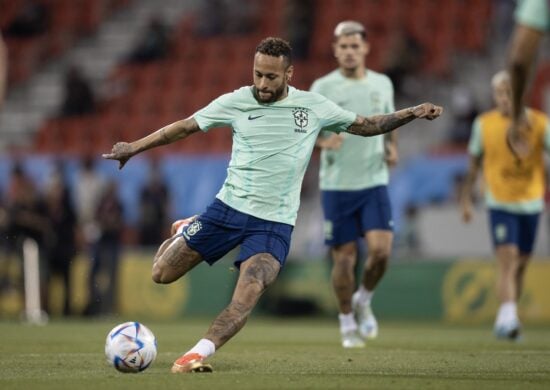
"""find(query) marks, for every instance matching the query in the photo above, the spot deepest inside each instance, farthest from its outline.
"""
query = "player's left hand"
(427, 111)
(121, 151)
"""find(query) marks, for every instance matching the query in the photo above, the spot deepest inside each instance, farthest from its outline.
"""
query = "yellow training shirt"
(512, 184)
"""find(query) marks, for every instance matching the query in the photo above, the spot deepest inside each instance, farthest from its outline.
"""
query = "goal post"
(31, 274)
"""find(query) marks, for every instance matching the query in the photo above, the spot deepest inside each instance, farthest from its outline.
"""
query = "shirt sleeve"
(220, 112)
(390, 106)
(534, 14)
(475, 147)
(547, 138)
(334, 118)
(315, 87)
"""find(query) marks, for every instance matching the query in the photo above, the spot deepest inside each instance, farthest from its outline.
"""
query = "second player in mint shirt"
(359, 163)
(272, 145)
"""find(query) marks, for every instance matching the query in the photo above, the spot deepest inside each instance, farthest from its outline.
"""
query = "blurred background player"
(514, 195)
(353, 179)
(275, 128)
(3, 70)
(532, 22)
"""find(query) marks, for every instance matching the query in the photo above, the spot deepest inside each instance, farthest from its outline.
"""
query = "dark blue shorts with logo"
(349, 214)
(221, 228)
(514, 228)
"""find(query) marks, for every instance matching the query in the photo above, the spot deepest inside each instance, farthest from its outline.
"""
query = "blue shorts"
(221, 228)
(349, 214)
(513, 228)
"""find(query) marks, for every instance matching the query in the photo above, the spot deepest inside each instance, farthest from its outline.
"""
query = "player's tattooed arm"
(257, 274)
(381, 124)
(123, 151)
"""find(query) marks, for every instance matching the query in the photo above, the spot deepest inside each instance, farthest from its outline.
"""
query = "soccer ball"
(130, 347)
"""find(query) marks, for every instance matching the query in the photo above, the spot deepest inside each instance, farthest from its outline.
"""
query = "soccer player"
(514, 189)
(274, 131)
(532, 22)
(353, 179)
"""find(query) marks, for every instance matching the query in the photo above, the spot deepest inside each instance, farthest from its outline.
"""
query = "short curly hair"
(275, 47)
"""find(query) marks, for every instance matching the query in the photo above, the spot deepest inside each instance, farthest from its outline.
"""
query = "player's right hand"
(121, 151)
(467, 213)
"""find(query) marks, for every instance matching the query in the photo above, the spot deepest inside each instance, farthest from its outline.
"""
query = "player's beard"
(274, 95)
(349, 65)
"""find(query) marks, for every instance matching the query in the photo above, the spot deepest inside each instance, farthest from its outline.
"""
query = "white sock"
(347, 323)
(507, 312)
(364, 296)
(204, 348)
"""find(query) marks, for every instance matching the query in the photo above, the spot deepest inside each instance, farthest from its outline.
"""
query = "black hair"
(275, 47)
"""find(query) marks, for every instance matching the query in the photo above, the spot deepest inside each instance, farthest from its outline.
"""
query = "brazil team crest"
(192, 229)
(300, 119)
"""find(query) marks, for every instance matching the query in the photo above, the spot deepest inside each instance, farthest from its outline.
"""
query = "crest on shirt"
(300, 119)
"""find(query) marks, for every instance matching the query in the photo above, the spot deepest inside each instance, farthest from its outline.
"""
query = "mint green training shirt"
(359, 163)
(272, 145)
(534, 14)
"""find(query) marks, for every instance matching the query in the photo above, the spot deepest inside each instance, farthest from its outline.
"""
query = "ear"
(289, 72)
(367, 48)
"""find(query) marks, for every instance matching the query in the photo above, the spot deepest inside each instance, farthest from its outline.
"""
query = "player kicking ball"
(275, 127)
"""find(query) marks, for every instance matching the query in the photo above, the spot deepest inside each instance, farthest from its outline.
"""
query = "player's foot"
(191, 362)
(368, 326)
(508, 331)
(180, 224)
(352, 340)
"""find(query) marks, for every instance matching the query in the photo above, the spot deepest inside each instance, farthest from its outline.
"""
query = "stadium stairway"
(27, 105)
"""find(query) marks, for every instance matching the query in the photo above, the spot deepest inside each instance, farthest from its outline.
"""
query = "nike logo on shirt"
(251, 118)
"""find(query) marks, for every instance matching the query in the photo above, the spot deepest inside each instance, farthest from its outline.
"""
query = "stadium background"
(440, 270)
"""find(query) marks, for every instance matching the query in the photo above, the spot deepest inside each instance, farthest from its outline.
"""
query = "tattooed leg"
(256, 275)
(173, 260)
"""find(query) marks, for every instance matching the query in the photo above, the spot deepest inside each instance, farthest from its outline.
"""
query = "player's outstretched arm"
(521, 57)
(380, 124)
(123, 151)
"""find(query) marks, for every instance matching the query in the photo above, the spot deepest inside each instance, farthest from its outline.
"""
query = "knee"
(159, 275)
(379, 255)
(344, 261)
(343, 269)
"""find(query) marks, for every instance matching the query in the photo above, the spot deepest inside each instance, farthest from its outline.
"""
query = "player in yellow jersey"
(514, 189)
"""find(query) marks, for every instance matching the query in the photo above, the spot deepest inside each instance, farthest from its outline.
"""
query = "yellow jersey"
(512, 184)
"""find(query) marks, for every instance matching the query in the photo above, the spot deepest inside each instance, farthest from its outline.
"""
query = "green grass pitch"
(272, 353)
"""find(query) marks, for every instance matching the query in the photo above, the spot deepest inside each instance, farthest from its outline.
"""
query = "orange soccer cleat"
(180, 224)
(191, 362)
